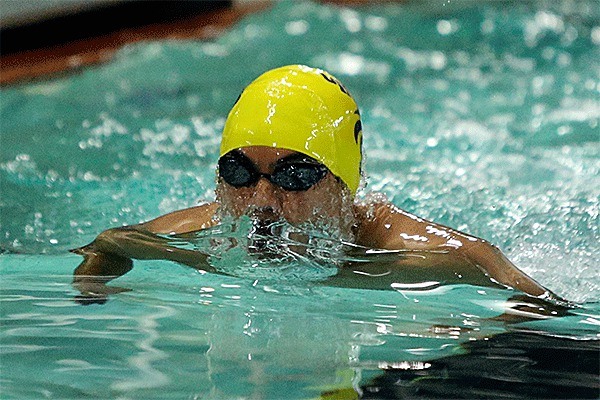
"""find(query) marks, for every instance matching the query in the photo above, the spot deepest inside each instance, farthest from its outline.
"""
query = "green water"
(481, 116)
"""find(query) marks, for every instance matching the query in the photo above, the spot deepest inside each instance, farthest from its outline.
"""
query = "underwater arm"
(110, 254)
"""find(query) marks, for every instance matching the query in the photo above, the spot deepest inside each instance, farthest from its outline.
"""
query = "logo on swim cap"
(302, 109)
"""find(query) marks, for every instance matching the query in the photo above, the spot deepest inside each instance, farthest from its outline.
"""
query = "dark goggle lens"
(298, 176)
(238, 171)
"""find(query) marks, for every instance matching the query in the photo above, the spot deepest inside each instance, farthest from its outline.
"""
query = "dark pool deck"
(67, 43)
(64, 44)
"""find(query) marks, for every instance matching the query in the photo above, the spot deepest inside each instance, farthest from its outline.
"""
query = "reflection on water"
(214, 336)
(517, 365)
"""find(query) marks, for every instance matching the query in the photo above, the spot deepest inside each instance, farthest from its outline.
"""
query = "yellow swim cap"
(302, 109)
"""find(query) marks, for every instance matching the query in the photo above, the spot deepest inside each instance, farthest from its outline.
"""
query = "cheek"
(299, 203)
(303, 206)
(234, 199)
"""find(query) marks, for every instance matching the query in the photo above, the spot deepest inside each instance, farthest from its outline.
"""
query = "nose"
(266, 196)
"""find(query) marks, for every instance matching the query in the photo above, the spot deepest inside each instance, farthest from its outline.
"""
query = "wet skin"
(431, 251)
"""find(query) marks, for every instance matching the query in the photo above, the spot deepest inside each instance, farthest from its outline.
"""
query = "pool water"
(480, 116)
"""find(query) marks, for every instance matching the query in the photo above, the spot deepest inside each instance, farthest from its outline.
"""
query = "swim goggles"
(295, 173)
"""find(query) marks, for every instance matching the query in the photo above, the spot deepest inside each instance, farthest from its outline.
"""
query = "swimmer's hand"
(95, 292)
(96, 269)
(100, 266)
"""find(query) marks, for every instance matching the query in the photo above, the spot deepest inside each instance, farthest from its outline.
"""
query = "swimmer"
(292, 149)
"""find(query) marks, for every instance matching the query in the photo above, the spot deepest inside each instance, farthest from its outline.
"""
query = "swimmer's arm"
(110, 254)
(392, 228)
(500, 268)
(182, 221)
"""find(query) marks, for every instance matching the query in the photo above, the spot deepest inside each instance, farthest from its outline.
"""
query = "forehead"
(264, 156)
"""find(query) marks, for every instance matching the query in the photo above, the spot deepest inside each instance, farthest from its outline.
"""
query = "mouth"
(262, 238)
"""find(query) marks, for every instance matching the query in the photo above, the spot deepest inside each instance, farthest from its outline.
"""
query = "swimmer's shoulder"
(384, 225)
(191, 219)
(375, 220)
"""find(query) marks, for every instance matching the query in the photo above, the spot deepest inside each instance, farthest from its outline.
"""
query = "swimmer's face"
(327, 199)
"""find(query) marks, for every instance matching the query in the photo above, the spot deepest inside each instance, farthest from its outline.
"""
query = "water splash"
(272, 250)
